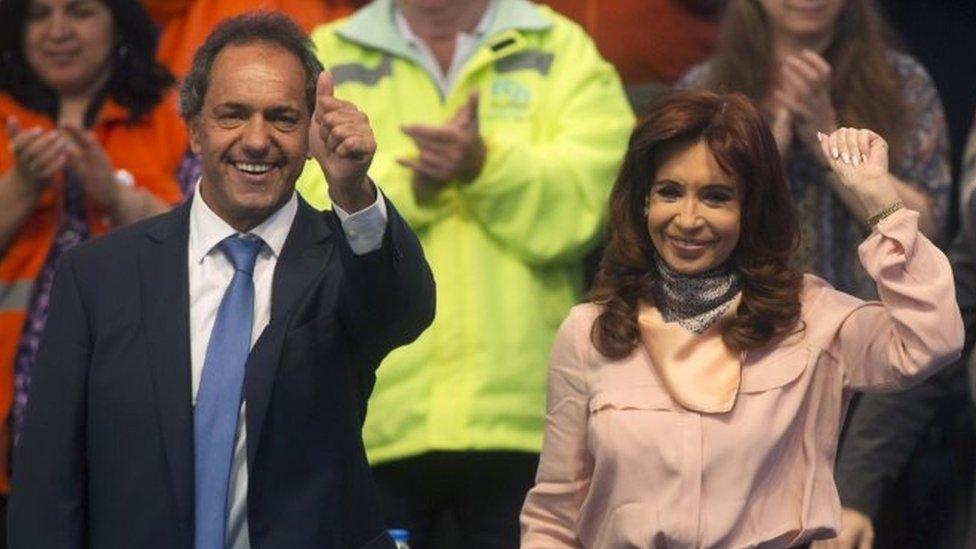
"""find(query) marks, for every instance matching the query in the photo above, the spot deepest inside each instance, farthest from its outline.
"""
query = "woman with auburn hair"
(813, 67)
(696, 399)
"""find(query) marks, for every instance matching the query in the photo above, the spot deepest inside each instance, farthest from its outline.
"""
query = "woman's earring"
(647, 205)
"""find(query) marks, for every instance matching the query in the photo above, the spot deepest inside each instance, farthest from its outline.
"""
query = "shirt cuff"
(365, 228)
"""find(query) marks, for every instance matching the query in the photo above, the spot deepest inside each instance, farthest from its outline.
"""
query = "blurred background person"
(185, 23)
(91, 142)
(962, 254)
(697, 398)
(967, 176)
(939, 35)
(499, 129)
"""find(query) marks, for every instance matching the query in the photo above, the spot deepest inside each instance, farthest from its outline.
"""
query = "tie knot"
(242, 252)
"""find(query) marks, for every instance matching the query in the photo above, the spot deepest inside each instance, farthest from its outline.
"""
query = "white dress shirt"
(210, 273)
(465, 45)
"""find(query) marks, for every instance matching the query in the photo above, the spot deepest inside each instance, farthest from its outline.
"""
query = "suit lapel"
(303, 258)
(166, 309)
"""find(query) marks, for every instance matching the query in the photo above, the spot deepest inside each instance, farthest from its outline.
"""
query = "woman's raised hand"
(859, 158)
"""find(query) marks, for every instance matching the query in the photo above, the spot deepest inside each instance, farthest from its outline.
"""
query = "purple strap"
(72, 231)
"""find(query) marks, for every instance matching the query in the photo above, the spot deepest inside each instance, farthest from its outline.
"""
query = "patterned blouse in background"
(829, 234)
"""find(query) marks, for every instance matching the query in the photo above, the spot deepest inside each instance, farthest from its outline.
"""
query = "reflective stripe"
(537, 60)
(15, 296)
(357, 72)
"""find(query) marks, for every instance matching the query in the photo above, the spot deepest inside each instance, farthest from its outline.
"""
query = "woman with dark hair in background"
(91, 142)
(697, 398)
(817, 66)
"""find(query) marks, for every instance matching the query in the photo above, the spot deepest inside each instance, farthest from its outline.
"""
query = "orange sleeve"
(151, 150)
(170, 142)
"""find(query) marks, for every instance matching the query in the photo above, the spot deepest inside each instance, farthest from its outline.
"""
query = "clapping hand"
(38, 155)
(803, 88)
(342, 142)
(859, 158)
(454, 151)
(90, 165)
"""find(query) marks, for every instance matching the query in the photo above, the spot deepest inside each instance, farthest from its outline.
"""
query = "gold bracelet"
(878, 217)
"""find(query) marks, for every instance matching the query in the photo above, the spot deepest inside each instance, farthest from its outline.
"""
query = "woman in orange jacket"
(92, 141)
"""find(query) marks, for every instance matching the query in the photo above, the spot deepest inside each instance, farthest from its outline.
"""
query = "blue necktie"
(219, 395)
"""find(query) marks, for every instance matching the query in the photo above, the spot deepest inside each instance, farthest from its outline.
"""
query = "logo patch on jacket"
(509, 99)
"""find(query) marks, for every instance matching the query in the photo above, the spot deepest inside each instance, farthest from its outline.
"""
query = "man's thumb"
(324, 86)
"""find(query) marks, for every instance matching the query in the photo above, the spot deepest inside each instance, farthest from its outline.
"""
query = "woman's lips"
(808, 9)
(689, 245)
(60, 56)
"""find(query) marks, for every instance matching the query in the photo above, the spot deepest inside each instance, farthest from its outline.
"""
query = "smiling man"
(204, 377)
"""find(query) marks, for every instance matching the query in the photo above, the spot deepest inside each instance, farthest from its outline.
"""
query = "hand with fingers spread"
(342, 142)
(859, 158)
(804, 89)
(856, 532)
(452, 152)
(38, 155)
(91, 166)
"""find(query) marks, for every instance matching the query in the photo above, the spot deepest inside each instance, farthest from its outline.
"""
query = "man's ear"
(195, 135)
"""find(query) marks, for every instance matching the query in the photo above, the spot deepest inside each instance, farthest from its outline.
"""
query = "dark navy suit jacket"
(106, 455)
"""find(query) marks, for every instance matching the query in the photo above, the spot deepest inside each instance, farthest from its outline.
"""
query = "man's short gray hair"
(249, 28)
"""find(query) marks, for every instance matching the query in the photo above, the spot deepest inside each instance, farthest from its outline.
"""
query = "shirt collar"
(374, 25)
(477, 33)
(207, 229)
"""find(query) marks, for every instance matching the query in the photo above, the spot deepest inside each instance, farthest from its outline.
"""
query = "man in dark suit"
(204, 376)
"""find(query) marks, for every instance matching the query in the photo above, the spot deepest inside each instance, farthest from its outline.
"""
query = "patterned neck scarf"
(695, 301)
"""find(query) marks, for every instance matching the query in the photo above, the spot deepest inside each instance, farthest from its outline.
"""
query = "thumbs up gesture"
(454, 151)
(342, 142)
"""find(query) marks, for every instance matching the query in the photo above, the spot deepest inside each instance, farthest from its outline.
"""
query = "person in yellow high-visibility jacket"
(499, 145)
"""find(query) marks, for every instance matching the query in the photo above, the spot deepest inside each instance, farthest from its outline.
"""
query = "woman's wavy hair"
(865, 89)
(138, 82)
(743, 146)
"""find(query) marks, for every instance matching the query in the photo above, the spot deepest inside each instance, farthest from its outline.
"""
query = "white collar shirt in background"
(464, 47)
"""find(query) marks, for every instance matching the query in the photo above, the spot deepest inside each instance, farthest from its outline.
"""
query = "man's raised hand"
(342, 142)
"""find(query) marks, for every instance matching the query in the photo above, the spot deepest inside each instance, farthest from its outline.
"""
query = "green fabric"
(506, 249)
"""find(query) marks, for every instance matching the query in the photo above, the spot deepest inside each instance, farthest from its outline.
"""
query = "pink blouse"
(624, 465)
